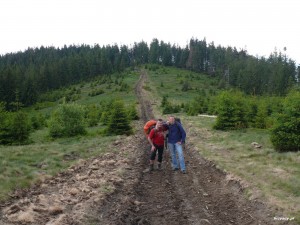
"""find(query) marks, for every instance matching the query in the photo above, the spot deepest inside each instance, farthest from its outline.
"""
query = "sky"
(259, 26)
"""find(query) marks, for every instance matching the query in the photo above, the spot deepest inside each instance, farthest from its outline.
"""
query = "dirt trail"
(117, 189)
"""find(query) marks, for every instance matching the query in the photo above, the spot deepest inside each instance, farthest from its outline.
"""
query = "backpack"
(177, 120)
(149, 126)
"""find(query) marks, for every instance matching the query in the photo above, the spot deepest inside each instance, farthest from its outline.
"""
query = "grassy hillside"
(170, 82)
(270, 175)
(20, 166)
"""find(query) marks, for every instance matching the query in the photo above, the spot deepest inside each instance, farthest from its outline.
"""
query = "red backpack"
(149, 126)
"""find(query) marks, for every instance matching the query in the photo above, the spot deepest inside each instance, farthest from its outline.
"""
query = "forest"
(24, 76)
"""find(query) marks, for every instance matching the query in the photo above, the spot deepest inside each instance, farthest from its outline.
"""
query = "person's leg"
(160, 150)
(152, 158)
(180, 156)
(172, 150)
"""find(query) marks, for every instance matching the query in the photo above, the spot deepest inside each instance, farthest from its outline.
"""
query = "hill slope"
(116, 189)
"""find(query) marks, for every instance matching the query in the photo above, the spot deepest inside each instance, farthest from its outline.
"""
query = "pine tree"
(132, 113)
(285, 134)
(231, 111)
(20, 128)
(118, 122)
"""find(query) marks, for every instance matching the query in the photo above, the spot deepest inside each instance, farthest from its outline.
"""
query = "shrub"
(96, 92)
(285, 134)
(118, 123)
(37, 121)
(132, 113)
(261, 116)
(107, 108)
(20, 128)
(231, 109)
(92, 115)
(67, 120)
(14, 127)
(198, 105)
(168, 108)
(186, 86)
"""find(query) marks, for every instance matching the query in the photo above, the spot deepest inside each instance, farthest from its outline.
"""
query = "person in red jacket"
(157, 140)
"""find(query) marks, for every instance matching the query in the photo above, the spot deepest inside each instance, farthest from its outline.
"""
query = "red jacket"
(157, 136)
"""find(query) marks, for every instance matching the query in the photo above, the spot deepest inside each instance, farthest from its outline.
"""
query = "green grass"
(275, 175)
(172, 79)
(21, 166)
(269, 174)
(128, 96)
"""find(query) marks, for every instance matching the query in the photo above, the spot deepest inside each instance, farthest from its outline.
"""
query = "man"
(176, 138)
(157, 139)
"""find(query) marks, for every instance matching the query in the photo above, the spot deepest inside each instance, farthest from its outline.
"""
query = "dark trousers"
(159, 150)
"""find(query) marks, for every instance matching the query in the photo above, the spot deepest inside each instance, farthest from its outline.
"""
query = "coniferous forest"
(26, 75)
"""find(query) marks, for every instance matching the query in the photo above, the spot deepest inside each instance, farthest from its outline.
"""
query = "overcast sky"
(259, 26)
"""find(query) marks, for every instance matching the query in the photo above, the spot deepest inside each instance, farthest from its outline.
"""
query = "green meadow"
(23, 165)
(265, 173)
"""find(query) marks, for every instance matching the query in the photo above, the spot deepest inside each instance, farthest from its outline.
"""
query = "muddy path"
(116, 188)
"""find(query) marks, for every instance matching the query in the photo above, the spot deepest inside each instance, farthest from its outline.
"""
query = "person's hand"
(179, 142)
(152, 148)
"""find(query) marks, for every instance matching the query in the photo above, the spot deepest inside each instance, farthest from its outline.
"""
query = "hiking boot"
(183, 171)
(151, 167)
(159, 166)
(175, 169)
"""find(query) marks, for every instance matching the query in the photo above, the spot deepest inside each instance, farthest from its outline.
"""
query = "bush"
(186, 86)
(132, 113)
(107, 108)
(67, 121)
(285, 134)
(231, 109)
(198, 105)
(96, 92)
(261, 116)
(14, 127)
(92, 115)
(21, 127)
(169, 108)
(37, 121)
(118, 122)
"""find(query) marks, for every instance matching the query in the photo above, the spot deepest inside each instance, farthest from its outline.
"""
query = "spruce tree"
(231, 111)
(118, 122)
(285, 134)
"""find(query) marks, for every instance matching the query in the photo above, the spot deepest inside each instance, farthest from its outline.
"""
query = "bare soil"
(116, 188)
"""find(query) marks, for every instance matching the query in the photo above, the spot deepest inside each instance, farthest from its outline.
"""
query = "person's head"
(159, 123)
(172, 119)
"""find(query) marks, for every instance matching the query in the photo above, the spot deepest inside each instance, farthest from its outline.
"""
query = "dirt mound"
(71, 196)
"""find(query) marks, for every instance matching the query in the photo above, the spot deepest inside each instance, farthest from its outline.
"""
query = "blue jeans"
(177, 148)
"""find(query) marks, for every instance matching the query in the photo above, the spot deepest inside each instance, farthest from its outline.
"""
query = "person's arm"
(150, 137)
(183, 134)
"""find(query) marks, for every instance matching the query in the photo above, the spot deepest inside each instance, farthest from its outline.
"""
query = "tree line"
(26, 75)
